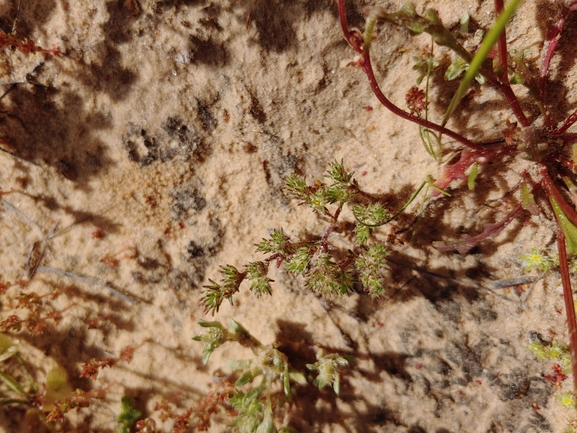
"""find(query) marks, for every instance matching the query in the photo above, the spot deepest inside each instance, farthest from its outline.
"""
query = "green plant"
(19, 388)
(255, 407)
(326, 269)
(128, 416)
(540, 139)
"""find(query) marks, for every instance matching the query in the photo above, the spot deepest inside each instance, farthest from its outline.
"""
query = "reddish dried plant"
(91, 368)
(24, 45)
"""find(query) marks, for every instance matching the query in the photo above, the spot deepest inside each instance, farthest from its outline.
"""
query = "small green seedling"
(255, 403)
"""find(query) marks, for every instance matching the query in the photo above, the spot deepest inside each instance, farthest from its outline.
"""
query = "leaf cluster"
(266, 382)
(325, 268)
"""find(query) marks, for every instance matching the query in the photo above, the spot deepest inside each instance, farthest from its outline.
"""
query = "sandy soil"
(158, 143)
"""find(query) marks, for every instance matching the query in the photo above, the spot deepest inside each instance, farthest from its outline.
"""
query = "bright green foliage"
(278, 243)
(327, 277)
(456, 69)
(373, 215)
(371, 264)
(320, 195)
(230, 277)
(324, 268)
(472, 177)
(250, 412)
(536, 260)
(362, 233)
(343, 187)
(297, 186)
(254, 406)
(299, 261)
(567, 400)
(329, 370)
(216, 293)
(214, 336)
(128, 416)
(528, 200)
(368, 217)
(339, 175)
(256, 272)
(555, 351)
(569, 229)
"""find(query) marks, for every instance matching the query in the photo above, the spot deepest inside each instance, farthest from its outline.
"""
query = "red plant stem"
(566, 124)
(368, 69)
(350, 36)
(552, 191)
(514, 104)
(570, 213)
(504, 74)
(563, 161)
(551, 41)
(355, 41)
(502, 45)
(568, 298)
(567, 138)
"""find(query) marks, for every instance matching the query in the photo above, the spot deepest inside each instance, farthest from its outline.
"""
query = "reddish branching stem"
(352, 36)
(570, 213)
(463, 246)
(368, 69)
(503, 76)
(25, 45)
(355, 40)
(474, 152)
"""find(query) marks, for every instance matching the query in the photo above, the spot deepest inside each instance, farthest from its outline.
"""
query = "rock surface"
(156, 146)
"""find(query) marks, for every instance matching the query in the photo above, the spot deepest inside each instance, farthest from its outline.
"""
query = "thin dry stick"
(88, 280)
(36, 253)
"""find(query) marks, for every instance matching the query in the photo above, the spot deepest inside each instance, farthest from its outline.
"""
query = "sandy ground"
(160, 139)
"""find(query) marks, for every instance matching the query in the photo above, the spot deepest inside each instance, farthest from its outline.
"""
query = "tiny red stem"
(504, 75)
(502, 45)
(566, 124)
(568, 298)
(368, 69)
(351, 37)
(552, 191)
(355, 41)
